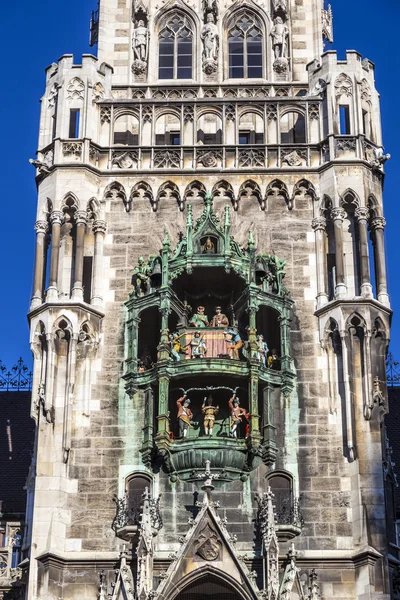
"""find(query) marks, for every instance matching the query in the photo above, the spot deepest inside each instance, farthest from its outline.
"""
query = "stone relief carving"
(272, 112)
(210, 39)
(147, 114)
(98, 92)
(72, 149)
(294, 158)
(366, 93)
(251, 158)
(327, 24)
(188, 114)
(346, 145)
(125, 160)
(279, 6)
(209, 545)
(52, 97)
(105, 114)
(209, 158)
(313, 111)
(76, 89)
(167, 160)
(343, 86)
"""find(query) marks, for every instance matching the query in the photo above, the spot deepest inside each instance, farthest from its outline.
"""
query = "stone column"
(99, 228)
(377, 226)
(77, 290)
(347, 394)
(56, 218)
(362, 215)
(41, 228)
(319, 226)
(338, 215)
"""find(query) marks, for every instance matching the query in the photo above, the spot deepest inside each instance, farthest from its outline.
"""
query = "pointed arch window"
(175, 56)
(245, 47)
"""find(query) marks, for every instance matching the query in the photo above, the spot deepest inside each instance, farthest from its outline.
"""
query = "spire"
(208, 201)
(208, 486)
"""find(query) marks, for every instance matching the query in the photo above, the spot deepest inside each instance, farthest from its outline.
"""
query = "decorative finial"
(208, 200)
(189, 220)
(227, 216)
(166, 242)
(250, 242)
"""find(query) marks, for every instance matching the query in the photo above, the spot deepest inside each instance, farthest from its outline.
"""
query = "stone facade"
(189, 108)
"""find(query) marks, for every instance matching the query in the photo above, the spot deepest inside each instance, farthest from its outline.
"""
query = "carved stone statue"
(279, 34)
(210, 412)
(198, 346)
(209, 35)
(199, 319)
(237, 412)
(219, 319)
(210, 39)
(140, 48)
(140, 41)
(185, 415)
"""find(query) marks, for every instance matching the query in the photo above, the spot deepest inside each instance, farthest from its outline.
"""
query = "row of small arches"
(222, 190)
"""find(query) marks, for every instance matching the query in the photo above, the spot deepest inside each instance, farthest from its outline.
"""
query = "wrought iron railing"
(287, 509)
(392, 371)
(16, 379)
(94, 28)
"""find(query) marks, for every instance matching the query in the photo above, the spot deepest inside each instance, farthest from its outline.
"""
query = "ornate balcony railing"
(392, 371)
(287, 510)
(16, 379)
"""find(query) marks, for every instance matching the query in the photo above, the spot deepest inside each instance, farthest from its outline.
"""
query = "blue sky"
(35, 34)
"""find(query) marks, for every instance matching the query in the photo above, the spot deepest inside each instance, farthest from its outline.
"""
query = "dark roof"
(16, 446)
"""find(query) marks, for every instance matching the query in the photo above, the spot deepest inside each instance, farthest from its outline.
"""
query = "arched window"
(176, 48)
(126, 130)
(245, 46)
(209, 129)
(281, 485)
(168, 130)
(135, 487)
(293, 128)
(251, 128)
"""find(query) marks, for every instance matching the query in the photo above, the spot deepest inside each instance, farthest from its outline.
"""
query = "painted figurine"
(219, 319)
(176, 347)
(274, 362)
(185, 415)
(234, 341)
(199, 319)
(236, 414)
(210, 412)
(198, 346)
(208, 247)
(262, 350)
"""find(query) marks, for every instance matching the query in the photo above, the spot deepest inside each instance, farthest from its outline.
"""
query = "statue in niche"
(279, 34)
(140, 48)
(210, 38)
(277, 272)
(198, 346)
(234, 343)
(237, 412)
(210, 412)
(199, 319)
(262, 350)
(140, 278)
(176, 347)
(208, 247)
(185, 415)
(219, 319)
(274, 362)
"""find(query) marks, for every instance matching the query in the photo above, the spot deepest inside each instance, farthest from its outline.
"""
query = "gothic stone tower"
(211, 155)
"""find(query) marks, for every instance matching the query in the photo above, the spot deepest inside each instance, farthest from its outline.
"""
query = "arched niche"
(251, 128)
(269, 327)
(148, 337)
(209, 129)
(126, 130)
(135, 485)
(168, 130)
(293, 128)
(211, 287)
(209, 587)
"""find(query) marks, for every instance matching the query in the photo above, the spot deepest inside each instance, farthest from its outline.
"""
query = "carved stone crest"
(209, 544)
